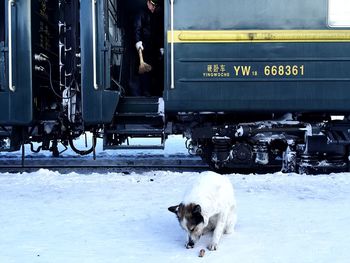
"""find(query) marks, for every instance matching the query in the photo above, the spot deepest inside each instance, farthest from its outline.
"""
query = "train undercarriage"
(290, 143)
(287, 144)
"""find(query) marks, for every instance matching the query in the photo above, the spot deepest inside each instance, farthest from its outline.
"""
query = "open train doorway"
(144, 47)
(110, 59)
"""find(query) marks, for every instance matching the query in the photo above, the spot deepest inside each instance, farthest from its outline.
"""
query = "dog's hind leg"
(231, 221)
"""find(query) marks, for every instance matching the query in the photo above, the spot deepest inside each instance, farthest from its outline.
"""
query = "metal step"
(137, 117)
(136, 129)
(155, 121)
(135, 147)
(140, 110)
(142, 132)
(140, 106)
(139, 134)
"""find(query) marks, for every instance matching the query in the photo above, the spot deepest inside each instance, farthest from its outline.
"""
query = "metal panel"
(292, 62)
(250, 14)
(16, 97)
(98, 102)
(255, 77)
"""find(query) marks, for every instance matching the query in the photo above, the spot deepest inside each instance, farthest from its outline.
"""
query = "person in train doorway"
(149, 47)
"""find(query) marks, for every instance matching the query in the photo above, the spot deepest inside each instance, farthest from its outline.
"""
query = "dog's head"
(190, 219)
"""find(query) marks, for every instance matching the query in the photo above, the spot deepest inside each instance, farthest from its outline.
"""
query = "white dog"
(209, 205)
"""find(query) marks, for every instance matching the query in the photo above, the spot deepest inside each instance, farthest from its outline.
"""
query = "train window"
(339, 13)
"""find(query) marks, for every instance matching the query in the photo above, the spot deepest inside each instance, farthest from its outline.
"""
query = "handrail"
(94, 45)
(172, 62)
(10, 4)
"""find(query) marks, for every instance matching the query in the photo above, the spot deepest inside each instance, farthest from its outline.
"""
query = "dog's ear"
(197, 209)
(174, 209)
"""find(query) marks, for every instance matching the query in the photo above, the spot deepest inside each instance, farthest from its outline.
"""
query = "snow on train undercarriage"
(286, 144)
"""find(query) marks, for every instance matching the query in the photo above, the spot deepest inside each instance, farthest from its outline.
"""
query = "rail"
(159, 162)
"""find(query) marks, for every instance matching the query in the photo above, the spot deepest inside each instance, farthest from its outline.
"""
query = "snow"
(339, 11)
(50, 217)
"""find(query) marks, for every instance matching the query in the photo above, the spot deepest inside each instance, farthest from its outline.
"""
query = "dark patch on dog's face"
(192, 213)
(189, 214)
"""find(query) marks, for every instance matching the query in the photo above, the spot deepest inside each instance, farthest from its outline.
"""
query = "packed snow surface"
(49, 217)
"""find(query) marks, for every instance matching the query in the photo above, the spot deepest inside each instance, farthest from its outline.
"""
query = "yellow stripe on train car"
(228, 36)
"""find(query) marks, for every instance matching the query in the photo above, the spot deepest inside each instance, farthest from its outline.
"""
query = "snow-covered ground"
(49, 217)
(100, 218)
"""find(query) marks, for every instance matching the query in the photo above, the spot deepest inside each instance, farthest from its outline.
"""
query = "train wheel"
(207, 158)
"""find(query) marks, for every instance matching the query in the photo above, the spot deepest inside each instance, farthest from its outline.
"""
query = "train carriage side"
(15, 78)
(253, 84)
(257, 56)
(54, 71)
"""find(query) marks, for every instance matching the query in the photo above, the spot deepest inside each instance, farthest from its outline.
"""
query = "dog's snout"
(190, 243)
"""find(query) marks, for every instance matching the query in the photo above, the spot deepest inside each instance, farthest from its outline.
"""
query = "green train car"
(253, 85)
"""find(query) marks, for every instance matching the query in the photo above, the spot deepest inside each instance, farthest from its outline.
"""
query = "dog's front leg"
(218, 231)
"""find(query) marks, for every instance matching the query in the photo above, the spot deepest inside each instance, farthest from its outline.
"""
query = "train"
(252, 85)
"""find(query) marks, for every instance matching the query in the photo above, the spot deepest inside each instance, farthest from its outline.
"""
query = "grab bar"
(172, 62)
(94, 44)
(10, 4)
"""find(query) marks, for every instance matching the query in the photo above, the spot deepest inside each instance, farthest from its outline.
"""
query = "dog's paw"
(213, 246)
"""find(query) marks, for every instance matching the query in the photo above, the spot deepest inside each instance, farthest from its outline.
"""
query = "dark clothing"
(142, 26)
(146, 29)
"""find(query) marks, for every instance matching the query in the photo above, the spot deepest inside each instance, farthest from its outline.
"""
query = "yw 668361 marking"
(284, 70)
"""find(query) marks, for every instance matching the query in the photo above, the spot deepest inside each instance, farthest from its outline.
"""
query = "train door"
(110, 59)
(100, 53)
(15, 63)
(138, 114)
(150, 31)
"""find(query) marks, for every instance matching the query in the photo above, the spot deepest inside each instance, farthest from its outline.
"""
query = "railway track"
(103, 164)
